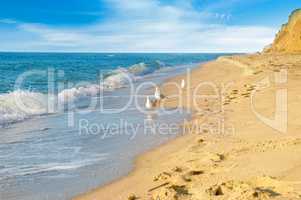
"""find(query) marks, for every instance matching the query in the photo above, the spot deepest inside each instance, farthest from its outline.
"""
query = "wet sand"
(243, 142)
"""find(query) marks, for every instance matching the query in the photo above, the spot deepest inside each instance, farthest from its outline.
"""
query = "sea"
(71, 122)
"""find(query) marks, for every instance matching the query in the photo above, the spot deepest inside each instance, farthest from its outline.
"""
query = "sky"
(141, 25)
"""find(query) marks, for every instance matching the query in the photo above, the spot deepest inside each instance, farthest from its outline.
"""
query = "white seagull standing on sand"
(183, 84)
(148, 104)
(157, 94)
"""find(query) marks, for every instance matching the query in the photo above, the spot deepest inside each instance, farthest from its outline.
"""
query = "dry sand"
(231, 153)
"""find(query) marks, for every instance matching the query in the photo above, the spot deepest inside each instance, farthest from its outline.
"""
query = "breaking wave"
(20, 105)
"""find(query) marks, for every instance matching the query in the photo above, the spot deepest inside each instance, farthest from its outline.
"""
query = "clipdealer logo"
(280, 118)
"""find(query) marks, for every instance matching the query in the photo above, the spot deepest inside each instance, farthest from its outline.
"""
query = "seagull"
(157, 94)
(148, 104)
(183, 84)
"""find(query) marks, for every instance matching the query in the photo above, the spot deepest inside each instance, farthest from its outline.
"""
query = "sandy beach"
(246, 159)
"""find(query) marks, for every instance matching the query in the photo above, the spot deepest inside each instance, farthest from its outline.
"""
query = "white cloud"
(148, 26)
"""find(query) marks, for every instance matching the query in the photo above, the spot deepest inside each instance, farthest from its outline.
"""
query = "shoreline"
(136, 166)
(203, 165)
(141, 157)
(139, 160)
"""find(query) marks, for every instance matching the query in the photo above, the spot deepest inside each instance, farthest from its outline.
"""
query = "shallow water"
(60, 155)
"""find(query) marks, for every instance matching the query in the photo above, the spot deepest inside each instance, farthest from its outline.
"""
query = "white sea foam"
(140, 69)
(25, 170)
(20, 105)
(73, 94)
(144, 69)
(121, 77)
(118, 78)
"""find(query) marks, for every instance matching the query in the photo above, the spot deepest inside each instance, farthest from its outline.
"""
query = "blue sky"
(141, 25)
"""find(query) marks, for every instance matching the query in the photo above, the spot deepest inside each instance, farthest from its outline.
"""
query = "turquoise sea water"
(83, 67)
(59, 153)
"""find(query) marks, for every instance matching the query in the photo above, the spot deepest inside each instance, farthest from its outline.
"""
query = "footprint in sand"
(258, 188)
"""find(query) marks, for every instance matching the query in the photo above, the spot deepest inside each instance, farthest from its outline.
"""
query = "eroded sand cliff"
(288, 40)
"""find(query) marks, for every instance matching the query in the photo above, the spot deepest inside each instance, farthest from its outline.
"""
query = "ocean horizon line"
(121, 52)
